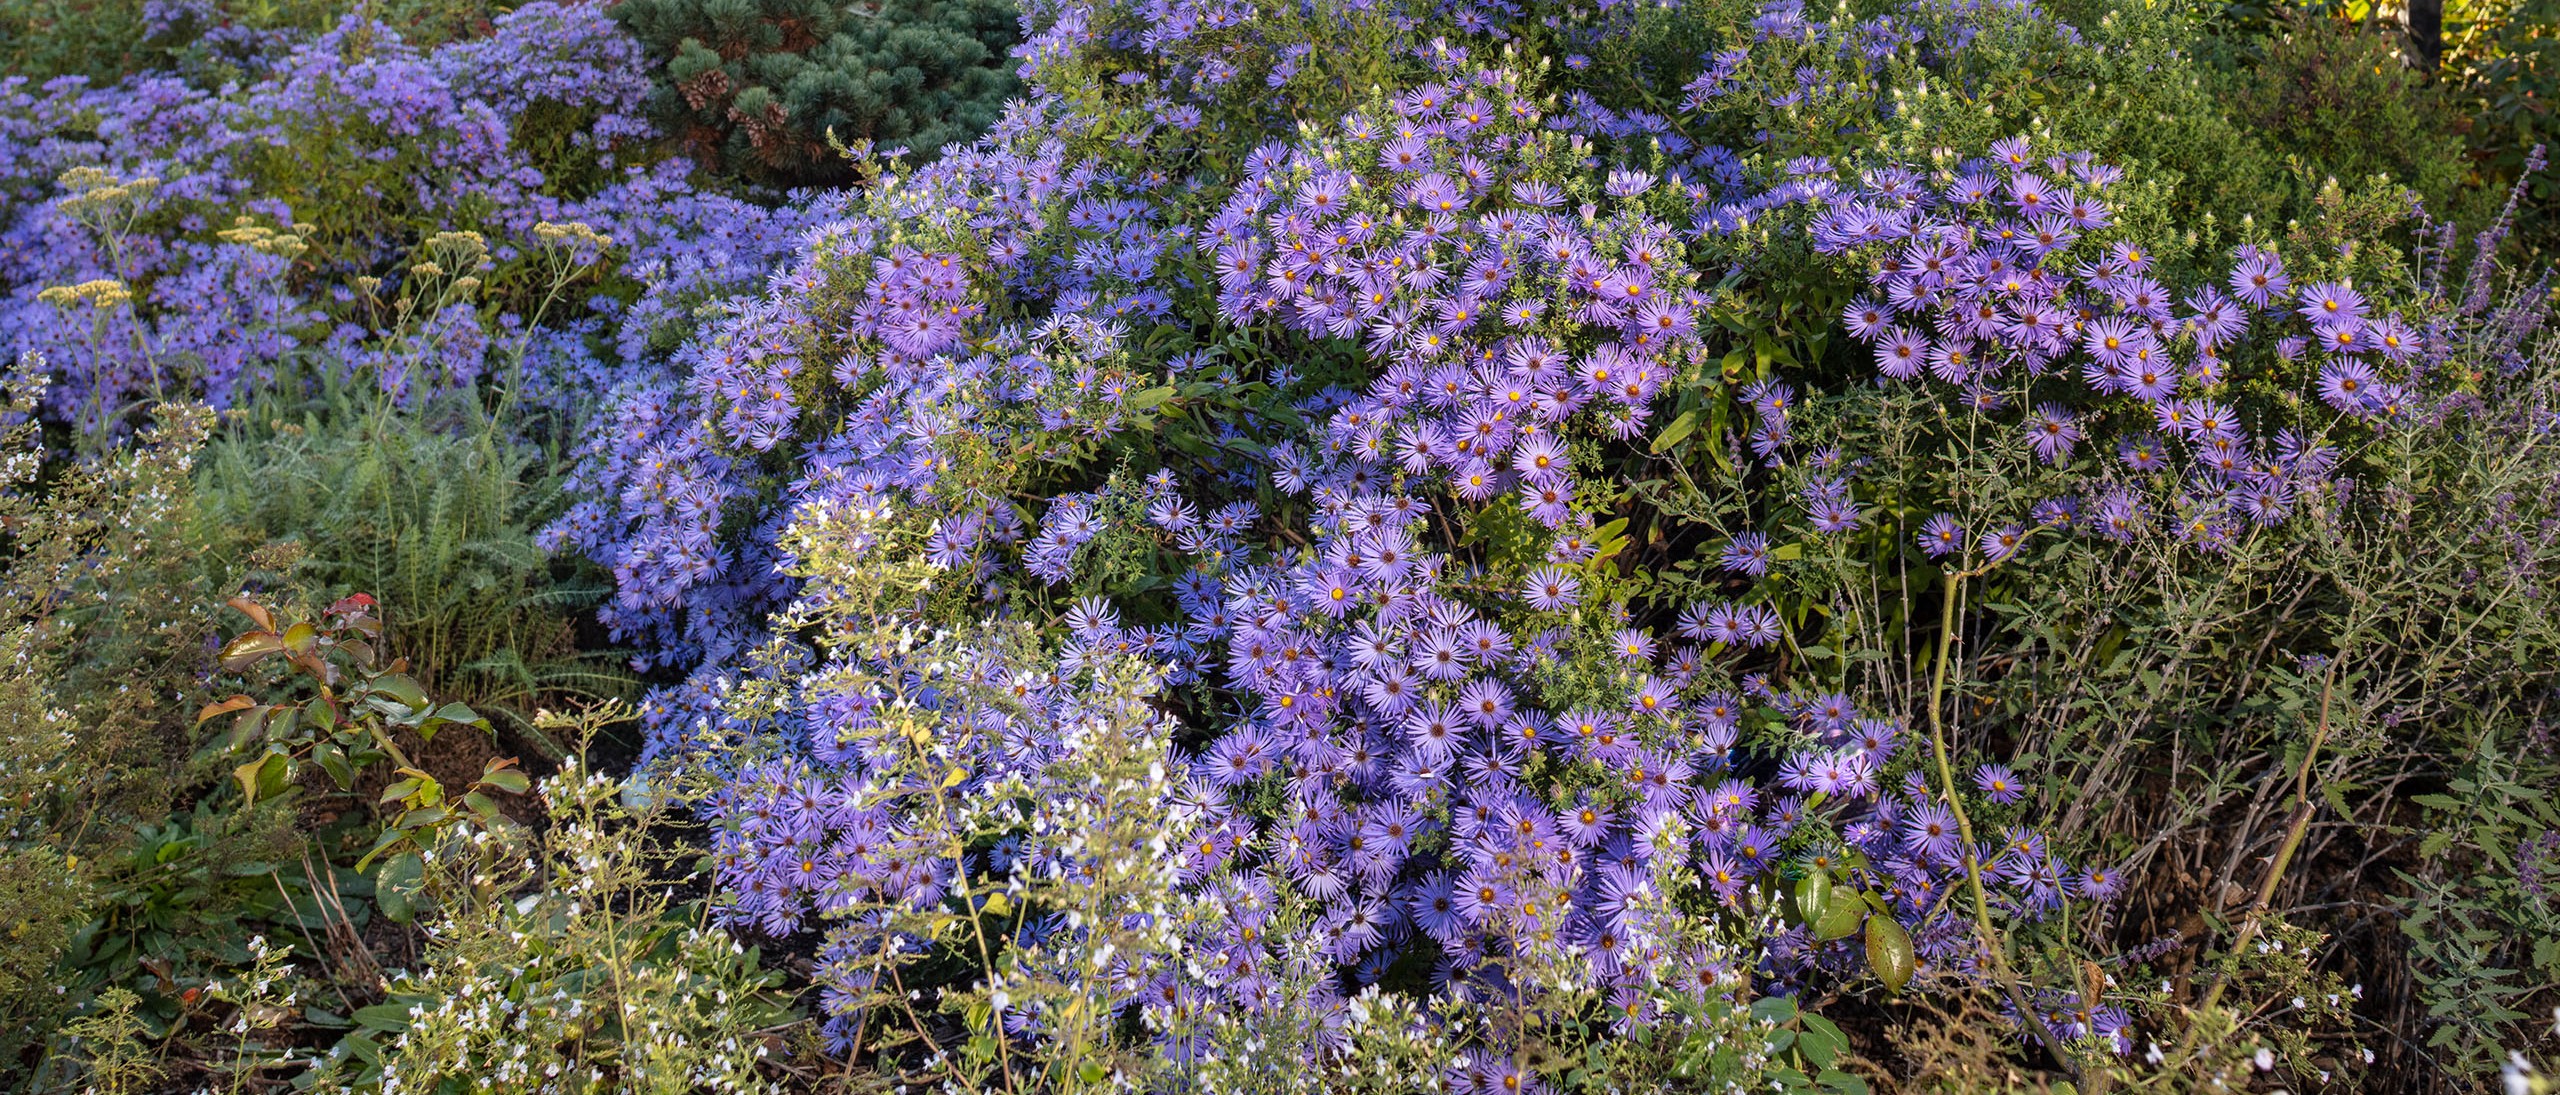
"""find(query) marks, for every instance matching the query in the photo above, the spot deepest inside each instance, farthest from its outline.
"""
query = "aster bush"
(1489, 547)
(492, 212)
(1588, 553)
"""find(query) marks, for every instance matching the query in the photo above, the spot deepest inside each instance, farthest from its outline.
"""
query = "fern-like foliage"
(432, 513)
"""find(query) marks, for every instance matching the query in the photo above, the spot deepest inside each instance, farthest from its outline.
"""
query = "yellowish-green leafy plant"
(350, 720)
(561, 961)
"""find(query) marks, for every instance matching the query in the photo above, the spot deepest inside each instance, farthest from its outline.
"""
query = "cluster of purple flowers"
(912, 366)
(1991, 283)
(358, 147)
(1485, 770)
(1419, 708)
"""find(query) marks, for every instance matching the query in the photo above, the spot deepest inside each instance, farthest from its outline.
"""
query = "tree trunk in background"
(2426, 32)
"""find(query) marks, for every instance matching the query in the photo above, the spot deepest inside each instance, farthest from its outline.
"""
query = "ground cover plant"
(1944, 545)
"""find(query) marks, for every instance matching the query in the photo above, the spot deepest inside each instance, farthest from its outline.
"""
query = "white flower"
(2516, 1077)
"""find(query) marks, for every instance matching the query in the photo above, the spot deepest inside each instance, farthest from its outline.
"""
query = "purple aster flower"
(2001, 543)
(2331, 302)
(2053, 433)
(1747, 553)
(1998, 783)
(2259, 279)
(1929, 831)
(1759, 626)
(2347, 385)
(1552, 589)
(2098, 884)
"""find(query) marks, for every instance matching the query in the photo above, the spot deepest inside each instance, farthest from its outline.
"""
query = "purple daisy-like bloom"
(2259, 280)
(2098, 884)
(2331, 302)
(1941, 536)
(1747, 553)
(1833, 515)
(2001, 543)
(1632, 646)
(1929, 831)
(1865, 320)
(1655, 698)
(1998, 783)
(2115, 340)
(2347, 385)
(1759, 626)
(1552, 589)
(2053, 433)
(1902, 355)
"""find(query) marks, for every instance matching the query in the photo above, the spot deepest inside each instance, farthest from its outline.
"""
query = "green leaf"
(1149, 399)
(1847, 1084)
(1813, 896)
(1774, 1009)
(1822, 1041)
(508, 780)
(333, 760)
(1889, 952)
(399, 689)
(1677, 432)
(264, 777)
(1839, 921)
(395, 886)
(391, 1018)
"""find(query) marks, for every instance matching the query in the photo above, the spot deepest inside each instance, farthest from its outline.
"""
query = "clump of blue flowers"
(1426, 491)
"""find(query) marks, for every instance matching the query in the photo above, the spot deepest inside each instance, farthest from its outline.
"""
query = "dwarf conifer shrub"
(763, 89)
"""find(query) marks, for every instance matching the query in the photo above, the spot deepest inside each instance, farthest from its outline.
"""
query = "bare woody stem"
(1994, 947)
(2293, 833)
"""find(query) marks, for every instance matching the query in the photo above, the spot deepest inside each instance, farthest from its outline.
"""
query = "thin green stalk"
(1993, 946)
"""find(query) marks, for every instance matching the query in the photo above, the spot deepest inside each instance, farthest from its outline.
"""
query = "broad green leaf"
(391, 1018)
(1839, 921)
(264, 777)
(395, 886)
(1677, 432)
(1889, 952)
(1813, 896)
(398, 688)
(1822, 1041)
